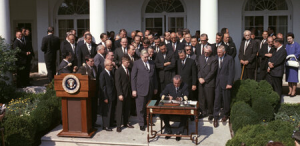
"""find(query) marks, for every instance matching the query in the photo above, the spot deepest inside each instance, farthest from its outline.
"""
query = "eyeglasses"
(188, 49)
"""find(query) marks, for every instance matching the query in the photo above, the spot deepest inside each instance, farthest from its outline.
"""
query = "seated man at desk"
(177, 91)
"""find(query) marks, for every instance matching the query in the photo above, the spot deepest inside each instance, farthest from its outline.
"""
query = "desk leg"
(148, 125)
(196, 120)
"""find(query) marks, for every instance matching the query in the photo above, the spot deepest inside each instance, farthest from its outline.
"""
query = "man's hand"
(170, 97)
(242, 62)
(271, 65)
(28, 53)
(155, 91)
(228, 87)
(179, 98)
(106, 100)
(268, 70)
(246, 62)
(167, 63)
(121, 97)
(268, 55)
(194, 87)
(133, 93)
(201, 80)
(75, 69)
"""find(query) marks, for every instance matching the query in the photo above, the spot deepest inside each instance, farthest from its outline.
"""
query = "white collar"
(107, 71)
(124, 68)
(279, 48)
(66, 61)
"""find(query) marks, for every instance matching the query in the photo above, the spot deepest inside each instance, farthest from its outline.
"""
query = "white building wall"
(192, 8)
(296, 19)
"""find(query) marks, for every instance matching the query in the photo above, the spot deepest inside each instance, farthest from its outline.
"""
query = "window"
(261, 5)
(164, 15)
(259, 15)
(71, 7)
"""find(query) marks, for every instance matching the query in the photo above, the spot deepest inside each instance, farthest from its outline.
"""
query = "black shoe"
(178, 138)
(142, 128)
(113, 125)
(128, 126)
(168, 132)
(210, 118)
(96, 125)
(119, 129)
(107, 129)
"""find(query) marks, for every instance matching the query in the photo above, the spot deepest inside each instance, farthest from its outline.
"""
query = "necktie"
(173, 45)
(182, 63)
(147, 67)
(176, 89)
(93, 72)
(127, 73)
(246, 45)
(189, 56)
(132, 59)
(194, 49)
(157, 49)
(221, 61)
(206, 59)
(125, 51)
(89, 48)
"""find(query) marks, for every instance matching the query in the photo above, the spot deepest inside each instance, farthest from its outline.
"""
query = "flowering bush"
(21, 107)
(289, 113)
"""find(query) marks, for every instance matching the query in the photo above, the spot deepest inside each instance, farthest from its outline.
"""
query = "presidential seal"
(71, 84)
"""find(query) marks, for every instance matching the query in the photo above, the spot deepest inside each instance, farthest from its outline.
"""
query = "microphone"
(69, 64)
(84, 65)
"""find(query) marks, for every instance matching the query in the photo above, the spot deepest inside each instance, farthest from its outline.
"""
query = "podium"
(76, 91)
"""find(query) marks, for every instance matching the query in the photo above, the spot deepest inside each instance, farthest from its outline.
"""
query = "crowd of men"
(130, 71)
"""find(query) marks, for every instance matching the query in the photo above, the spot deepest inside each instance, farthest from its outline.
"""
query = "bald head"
(173, 37)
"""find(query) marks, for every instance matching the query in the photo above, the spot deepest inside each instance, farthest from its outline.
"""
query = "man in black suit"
(71, 47)
(151, 53)
(276, 66)
(109, 46)
(207, 69)
(175, 45)
(219, 42)
(177, 90)
(180, 37)
(224, 82)
(144, 85)
(264, 54)
(87, 49)
(165, 66)
(231, 48)
(156, 46)
(189, 53)
(187, 69)
(121, 51)
(132, 56)
(204, 42)
(167, 36)
(99, 58)
(81, 41)
(195, 46)
(264, 40)
(107, 85)
(124, 97)
(50, 45)
(66, 66)
(89, 69)
(64, 42)
(23, 60)
(103, 38)
(187, 38)
(247, 55)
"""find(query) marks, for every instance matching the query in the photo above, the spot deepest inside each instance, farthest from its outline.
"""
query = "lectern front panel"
(74, 115)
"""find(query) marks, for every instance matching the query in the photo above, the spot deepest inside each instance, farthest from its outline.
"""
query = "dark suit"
(68, 48)
(99, 62)
(181, 92)
(250, 55)
(231, 50)
(107, 85)
(201, 49)
(117, 43)
(83, 52)
(144, 82)
(134, 57)
(62, 45)
(50, 45)
(207, 70)
(264, 60)
(274, 77)
(123, 87)
(64, 68)
(188, 74)
(197, 49)
(22, 59)
(225, 76)
(179, 46)
(165, 73)
(29, 48)
(118, 55)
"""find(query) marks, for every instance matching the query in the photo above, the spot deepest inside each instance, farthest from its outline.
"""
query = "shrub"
(8, 92)
(289, 113)
(260, 134)
(263, 108)
(242, 115)
(19, 130)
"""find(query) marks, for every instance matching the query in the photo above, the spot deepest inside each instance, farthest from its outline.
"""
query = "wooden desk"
(155, 107)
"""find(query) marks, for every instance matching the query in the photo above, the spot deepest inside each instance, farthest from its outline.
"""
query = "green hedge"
(252, 103)
(28, 118)
(261, 134)
(289, 113)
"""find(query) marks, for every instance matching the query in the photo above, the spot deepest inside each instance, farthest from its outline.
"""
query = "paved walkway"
(208, 136)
